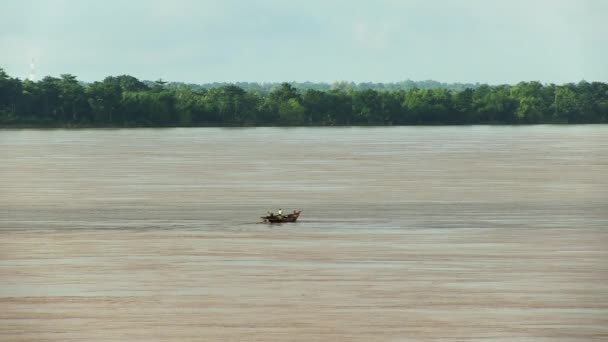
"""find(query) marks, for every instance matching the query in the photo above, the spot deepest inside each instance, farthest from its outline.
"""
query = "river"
(494, 233)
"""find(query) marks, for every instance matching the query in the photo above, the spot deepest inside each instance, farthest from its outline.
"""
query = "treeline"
(303, 86)
(125, 101)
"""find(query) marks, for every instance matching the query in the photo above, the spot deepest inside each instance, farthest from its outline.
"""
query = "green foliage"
(125, 101)
(10, 91)
(126, 83)
(291, 113)
(104, 99)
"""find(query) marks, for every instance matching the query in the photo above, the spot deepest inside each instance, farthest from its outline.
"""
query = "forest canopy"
(125, 101)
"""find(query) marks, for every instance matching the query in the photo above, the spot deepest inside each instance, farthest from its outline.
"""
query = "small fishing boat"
(281, 218)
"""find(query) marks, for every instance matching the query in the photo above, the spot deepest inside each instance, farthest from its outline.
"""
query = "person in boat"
(280, 212)
(270, 213)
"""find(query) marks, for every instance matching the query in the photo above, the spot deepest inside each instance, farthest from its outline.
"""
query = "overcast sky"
(200, 41)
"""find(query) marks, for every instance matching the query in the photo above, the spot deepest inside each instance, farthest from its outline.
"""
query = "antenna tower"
(32, 76)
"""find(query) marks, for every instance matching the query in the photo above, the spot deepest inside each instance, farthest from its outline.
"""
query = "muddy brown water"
(475, 233)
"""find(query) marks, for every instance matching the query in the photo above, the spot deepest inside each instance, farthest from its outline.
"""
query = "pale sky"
(201, 41)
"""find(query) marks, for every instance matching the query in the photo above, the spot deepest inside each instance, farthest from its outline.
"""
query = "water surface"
(407, 233)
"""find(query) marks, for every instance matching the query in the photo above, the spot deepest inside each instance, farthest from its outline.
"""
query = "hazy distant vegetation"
(125, 101)
(270, 86)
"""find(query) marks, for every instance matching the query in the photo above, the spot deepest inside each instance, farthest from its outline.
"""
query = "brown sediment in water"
(293, 285)
(434, 234)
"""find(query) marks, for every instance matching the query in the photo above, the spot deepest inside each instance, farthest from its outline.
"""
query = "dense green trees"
(125, 101)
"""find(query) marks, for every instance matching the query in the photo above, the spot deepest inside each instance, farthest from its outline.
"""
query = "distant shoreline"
(68, 127)
(90, 126)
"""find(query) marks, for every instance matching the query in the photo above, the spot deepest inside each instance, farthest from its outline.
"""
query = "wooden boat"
(281, 218)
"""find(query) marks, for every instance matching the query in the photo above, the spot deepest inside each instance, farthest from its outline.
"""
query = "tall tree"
(105, 101)
(73, 99)
(10, 90)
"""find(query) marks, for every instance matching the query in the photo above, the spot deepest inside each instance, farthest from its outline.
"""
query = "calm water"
(345, 178)
(407, 233)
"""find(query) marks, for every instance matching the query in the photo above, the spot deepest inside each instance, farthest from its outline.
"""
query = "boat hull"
(282, 218)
